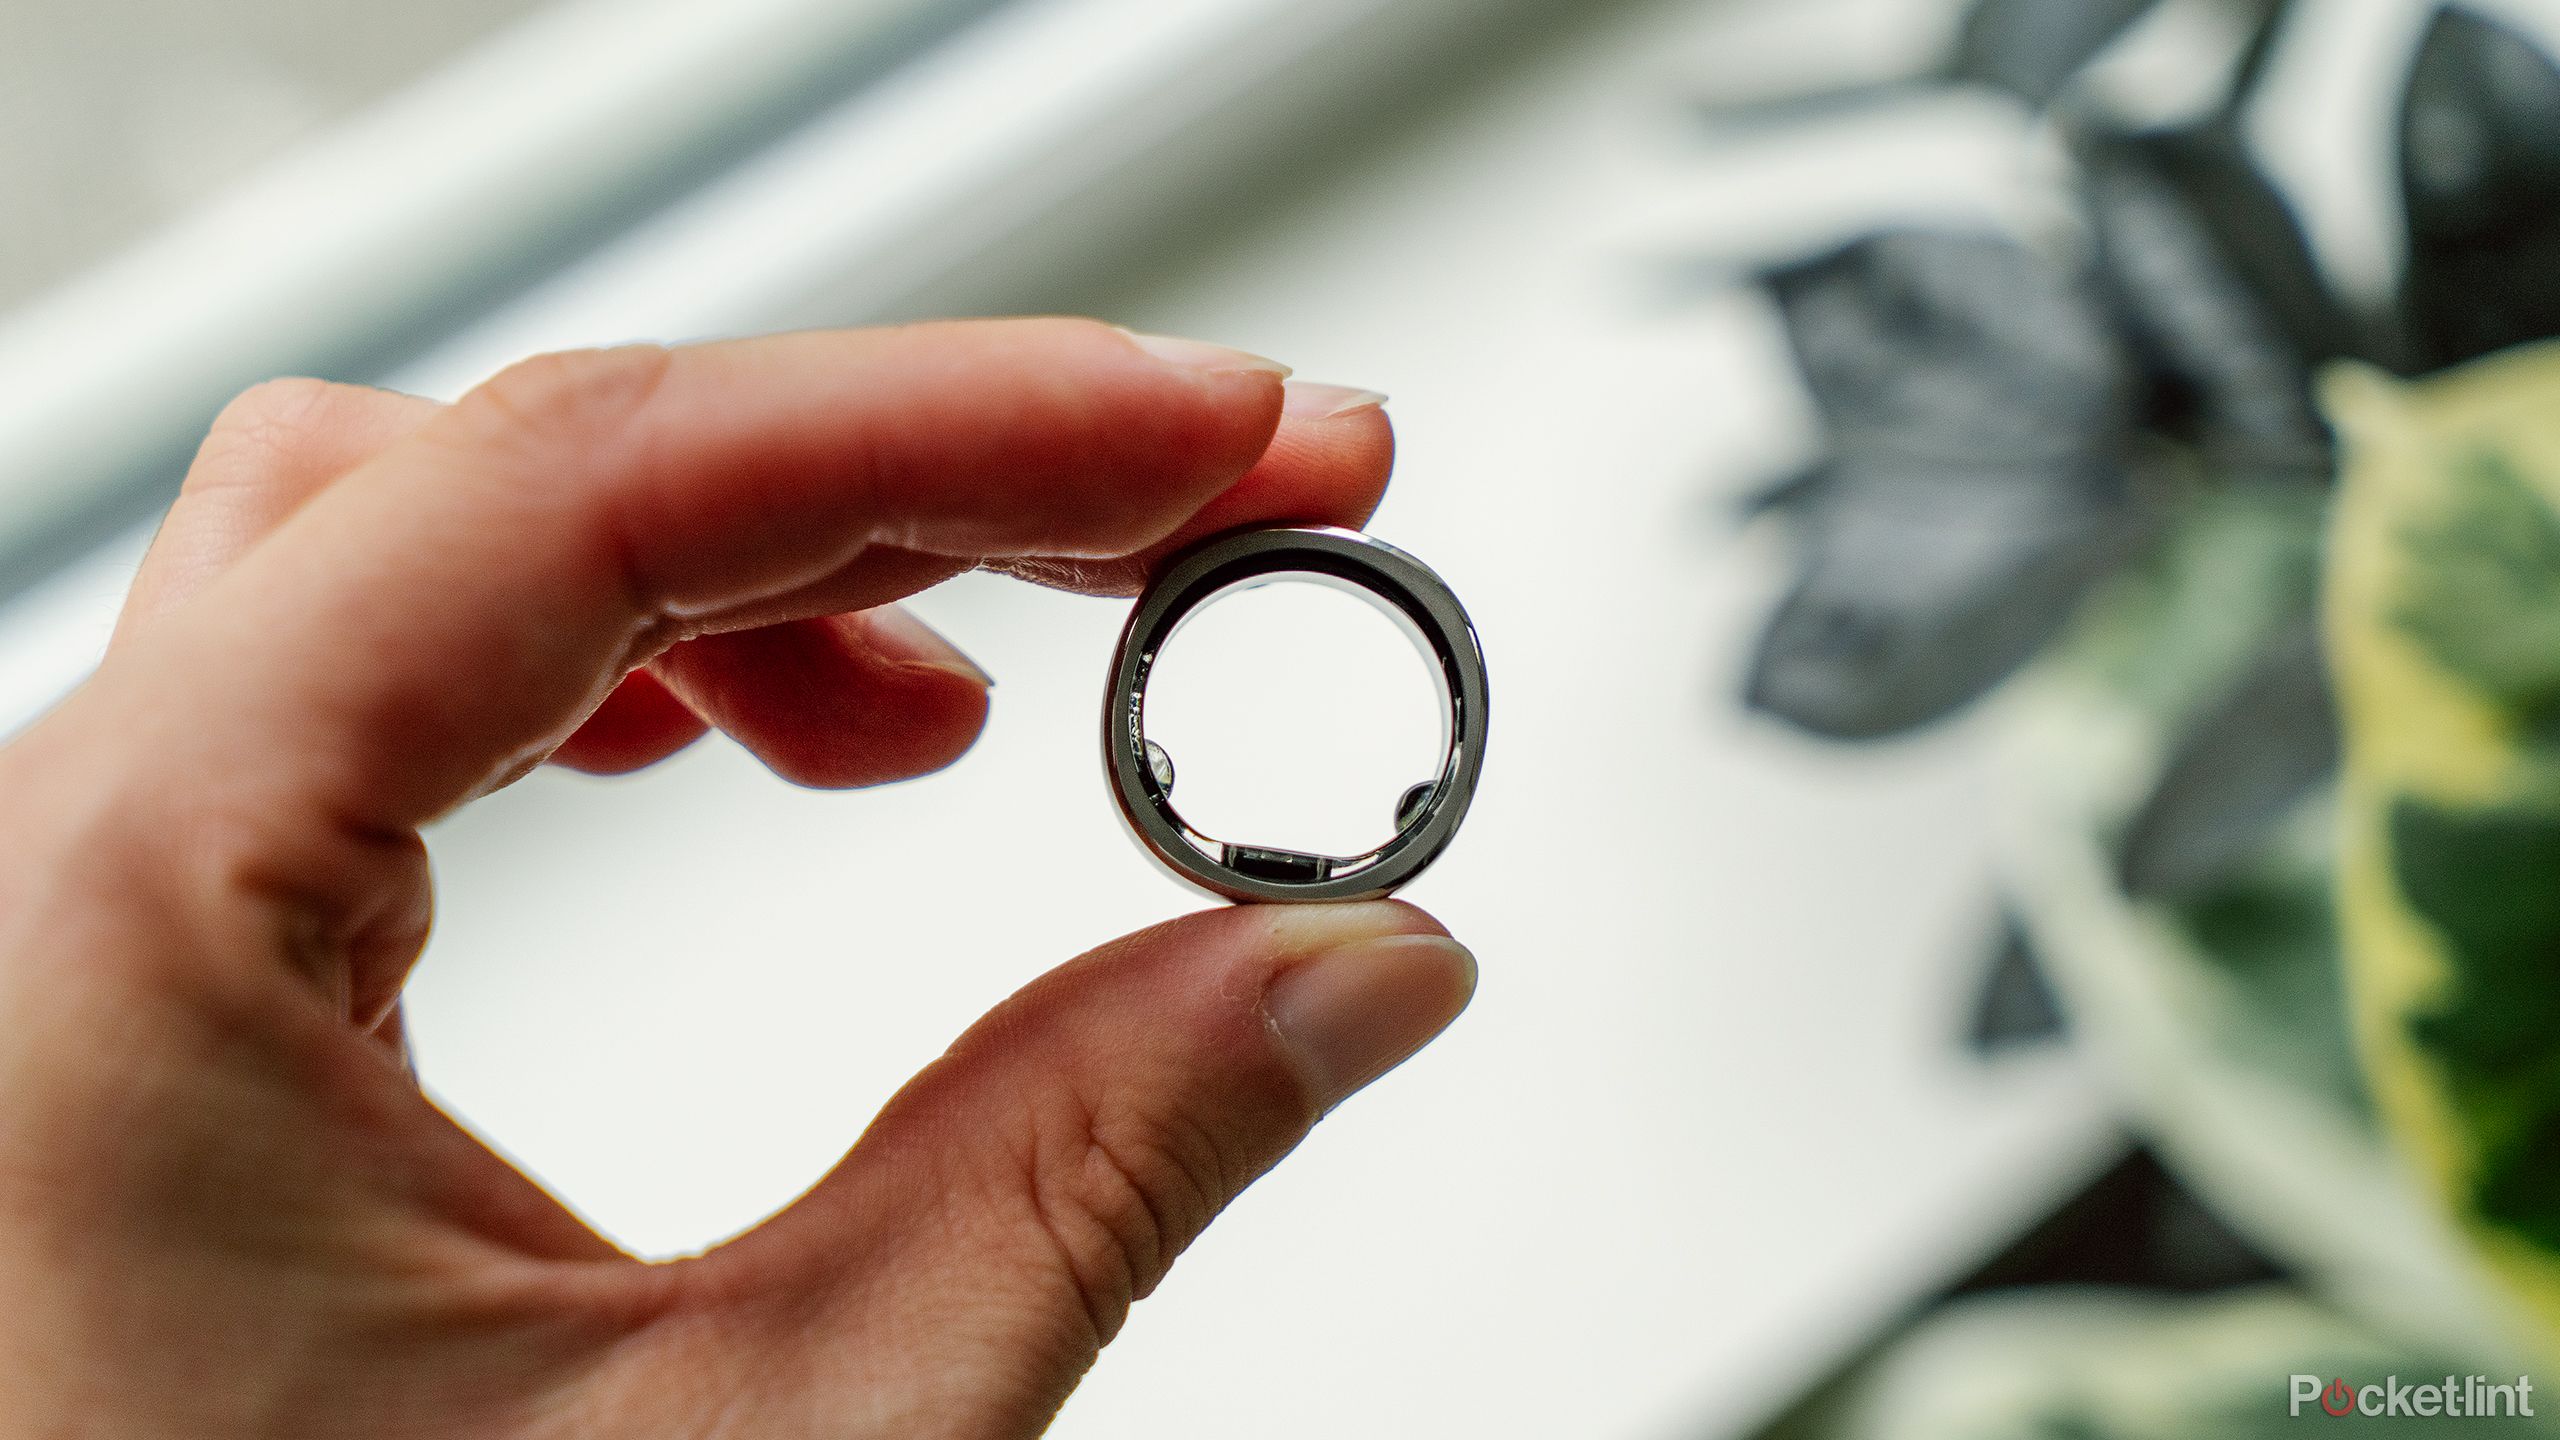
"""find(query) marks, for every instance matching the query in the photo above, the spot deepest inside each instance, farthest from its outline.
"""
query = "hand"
(226, 1210)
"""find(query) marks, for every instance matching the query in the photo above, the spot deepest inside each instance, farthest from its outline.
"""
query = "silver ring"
(1402, 588)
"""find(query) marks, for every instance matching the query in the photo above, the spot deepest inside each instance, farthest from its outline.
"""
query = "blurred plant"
(2032, 48)
(2096, 477)
(2479, 170)
(1980, 413)
(2116, 1366)
(2071, 402)
(2029, 50)
(2444, 616)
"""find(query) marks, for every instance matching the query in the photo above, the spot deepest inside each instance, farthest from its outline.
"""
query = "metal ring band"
(1402, 588)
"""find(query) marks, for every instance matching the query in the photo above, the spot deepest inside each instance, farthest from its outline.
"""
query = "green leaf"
(2485, 879)
(2443, 601)
(2483, 592)
(2075, 1363)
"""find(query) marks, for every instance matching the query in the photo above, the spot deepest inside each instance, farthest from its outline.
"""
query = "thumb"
(988, 1234)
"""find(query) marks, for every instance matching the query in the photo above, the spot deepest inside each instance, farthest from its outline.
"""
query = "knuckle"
(267, 420)
(583, 394)
(345, 907)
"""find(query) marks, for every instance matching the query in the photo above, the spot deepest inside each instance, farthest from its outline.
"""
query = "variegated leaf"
(2443, 620)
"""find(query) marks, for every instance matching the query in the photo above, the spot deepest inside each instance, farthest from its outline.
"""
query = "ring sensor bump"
(1400, 587)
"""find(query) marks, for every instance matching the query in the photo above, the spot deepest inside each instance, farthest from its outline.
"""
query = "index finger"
(446, 612)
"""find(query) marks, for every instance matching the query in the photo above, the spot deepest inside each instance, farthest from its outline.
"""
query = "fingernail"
(907, 638)
(1311, 400)
(1352, 1013)
(1201, 355)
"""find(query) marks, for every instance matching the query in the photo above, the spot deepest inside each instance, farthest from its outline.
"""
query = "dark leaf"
(1977, 405)
(2238, 771)
(2016, 1007)
(1786, 494)
(2208, 266)
(2480, 178)
(1925, 583)
(2137, 1224)
(2266, 22)
(2032, 48)
(1959, 347)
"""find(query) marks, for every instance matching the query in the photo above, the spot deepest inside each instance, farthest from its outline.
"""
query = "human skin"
(225, 1207)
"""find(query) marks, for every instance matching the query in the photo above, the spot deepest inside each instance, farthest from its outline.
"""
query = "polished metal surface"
(1402, 588)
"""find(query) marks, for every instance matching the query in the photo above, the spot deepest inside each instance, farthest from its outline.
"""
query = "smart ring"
(1405, 591)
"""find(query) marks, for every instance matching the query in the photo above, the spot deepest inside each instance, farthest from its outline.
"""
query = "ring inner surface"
(1275, 863)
